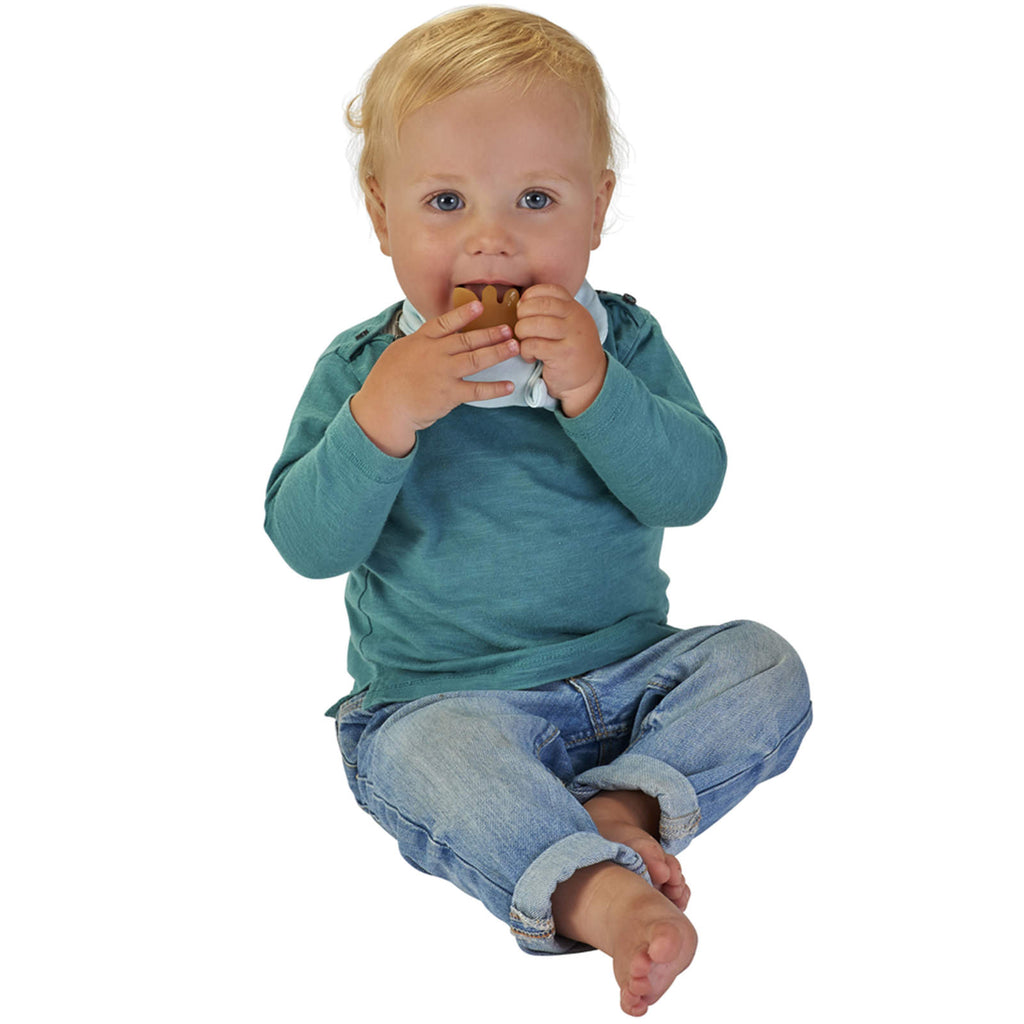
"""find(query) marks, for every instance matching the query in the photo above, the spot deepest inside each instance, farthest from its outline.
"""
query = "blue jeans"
(486, 788)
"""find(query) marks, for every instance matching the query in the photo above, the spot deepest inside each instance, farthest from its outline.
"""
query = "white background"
(822, 204)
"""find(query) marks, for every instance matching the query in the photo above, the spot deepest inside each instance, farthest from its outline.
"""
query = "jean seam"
(416, 826)
(593, 704)
(548, 926)
(678, 826)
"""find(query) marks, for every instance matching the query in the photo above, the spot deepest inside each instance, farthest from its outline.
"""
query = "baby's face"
(491, 186)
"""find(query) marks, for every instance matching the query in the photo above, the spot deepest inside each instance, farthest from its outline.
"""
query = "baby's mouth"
(477, 288)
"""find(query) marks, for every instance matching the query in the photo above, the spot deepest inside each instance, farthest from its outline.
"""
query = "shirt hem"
(531, 671)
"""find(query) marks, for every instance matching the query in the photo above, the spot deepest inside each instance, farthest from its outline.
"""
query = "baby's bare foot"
(650, 960)
(631, 818)
(649, 939)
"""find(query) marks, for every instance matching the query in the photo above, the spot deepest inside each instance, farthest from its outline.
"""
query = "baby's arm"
(646, 435)
(350, 443)
(332, 488)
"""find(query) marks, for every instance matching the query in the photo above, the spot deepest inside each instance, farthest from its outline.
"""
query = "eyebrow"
(429, 179)
(459, 179)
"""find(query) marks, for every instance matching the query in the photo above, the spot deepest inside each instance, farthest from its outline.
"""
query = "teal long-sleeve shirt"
(511, 547)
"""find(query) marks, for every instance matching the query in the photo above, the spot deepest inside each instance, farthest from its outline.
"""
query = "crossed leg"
(430, 769)
(643, 929)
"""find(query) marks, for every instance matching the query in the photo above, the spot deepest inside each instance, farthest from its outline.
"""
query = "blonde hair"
(469, 47)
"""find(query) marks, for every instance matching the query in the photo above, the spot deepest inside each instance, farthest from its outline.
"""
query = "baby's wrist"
(391, 433)
(579, 399)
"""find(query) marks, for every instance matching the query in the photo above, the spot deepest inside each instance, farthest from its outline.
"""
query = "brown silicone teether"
(495, 312)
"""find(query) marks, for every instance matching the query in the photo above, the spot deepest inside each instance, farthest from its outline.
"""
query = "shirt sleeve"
(332, 489)
(646, 434)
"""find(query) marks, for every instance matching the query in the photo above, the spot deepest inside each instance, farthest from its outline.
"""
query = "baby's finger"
(542, 291)
(476, 359)
(453, 320)
(542, 328)
(545, 300)
(482, 390)
(481, 337)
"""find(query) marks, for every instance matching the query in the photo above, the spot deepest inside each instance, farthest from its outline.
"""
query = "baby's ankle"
(582, 905)
(626, 805)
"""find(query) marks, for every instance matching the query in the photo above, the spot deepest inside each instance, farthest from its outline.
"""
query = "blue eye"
(446, 202)
(535, 200)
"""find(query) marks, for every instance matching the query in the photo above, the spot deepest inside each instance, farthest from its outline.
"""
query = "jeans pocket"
(650, 700)
(350, 721)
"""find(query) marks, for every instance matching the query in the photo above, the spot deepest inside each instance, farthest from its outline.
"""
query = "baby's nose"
(489, 236)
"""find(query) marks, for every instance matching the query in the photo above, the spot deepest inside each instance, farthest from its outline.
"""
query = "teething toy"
(529, 386)
(495, 312)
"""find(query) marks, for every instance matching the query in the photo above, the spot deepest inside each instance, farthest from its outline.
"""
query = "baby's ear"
(602, 200)
(378, 213)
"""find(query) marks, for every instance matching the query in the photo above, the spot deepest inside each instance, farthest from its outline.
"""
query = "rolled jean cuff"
(677, 799)
(531, 916)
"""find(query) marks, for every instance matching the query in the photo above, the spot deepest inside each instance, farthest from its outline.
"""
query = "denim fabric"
(486, 788)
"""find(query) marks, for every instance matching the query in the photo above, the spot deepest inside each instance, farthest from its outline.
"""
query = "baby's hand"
(418, 379)
(556, 329)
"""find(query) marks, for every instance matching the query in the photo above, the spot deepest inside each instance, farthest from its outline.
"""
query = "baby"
(523, 721)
